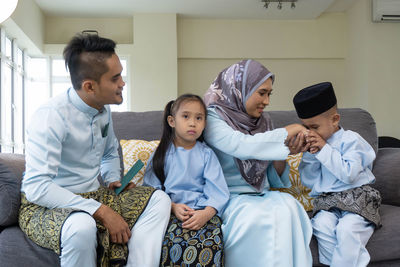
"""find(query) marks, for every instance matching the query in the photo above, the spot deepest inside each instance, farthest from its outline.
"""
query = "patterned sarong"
(183, 247)
(43, 225)
(364, 201)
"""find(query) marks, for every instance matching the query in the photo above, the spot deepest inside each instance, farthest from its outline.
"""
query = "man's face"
(109, 89)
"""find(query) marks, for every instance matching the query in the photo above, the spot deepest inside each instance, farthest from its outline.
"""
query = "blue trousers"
(78, 236)
(342, 237)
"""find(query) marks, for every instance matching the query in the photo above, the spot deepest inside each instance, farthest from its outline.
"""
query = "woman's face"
(256, 103)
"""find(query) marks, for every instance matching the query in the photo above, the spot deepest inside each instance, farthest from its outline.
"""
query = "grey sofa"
(384, 246)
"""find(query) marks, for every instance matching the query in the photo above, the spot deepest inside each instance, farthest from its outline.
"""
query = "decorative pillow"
(10, 197)
(297, 190)
(132, 150)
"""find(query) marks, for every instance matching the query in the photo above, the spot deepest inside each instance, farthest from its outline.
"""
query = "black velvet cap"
(314, 100)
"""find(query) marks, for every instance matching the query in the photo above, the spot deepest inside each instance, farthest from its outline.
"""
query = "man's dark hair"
(85, 57)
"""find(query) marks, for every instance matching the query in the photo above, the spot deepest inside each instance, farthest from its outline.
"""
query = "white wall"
(59, 30)
(373, 68)
(300, 53)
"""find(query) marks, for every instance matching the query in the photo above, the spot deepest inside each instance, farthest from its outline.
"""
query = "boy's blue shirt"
(344, 162)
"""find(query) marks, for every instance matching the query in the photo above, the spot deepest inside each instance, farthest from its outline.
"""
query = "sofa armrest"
(387, 172)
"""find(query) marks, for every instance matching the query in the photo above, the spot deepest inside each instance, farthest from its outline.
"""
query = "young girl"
(190, 173)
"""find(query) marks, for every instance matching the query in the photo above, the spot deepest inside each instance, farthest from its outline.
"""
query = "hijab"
(228, 95)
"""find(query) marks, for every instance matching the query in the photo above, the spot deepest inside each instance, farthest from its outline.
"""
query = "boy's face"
(325, 125)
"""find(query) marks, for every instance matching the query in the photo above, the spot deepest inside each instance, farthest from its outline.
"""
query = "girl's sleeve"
(215, 191)
(263, 146)
(150, 178)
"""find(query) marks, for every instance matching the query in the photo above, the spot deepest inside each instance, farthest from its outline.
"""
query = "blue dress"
(271, 229)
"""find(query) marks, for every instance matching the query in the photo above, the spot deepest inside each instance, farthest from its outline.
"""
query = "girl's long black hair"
(168, 133)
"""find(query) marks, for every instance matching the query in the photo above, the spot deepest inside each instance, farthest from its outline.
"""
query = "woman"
(260, 227)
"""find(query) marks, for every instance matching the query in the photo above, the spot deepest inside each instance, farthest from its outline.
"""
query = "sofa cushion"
(9, 196)
(297, 189)
(132, 150)
(387, 173)
(16, 249)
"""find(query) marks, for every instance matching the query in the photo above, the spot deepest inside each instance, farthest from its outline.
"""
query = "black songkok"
(314, 100)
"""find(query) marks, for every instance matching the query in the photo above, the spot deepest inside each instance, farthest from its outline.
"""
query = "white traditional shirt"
(69, 144)
(344, 162)
(192, 176)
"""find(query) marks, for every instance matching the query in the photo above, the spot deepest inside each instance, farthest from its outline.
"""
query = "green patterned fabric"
(43, 225)
(183, 247)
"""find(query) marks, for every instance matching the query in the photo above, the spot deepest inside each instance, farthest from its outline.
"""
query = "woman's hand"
(298, 144)
(181, 211)
(198, 218)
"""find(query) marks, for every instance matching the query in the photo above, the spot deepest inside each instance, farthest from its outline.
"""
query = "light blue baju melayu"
(345, 162)
(268, 230)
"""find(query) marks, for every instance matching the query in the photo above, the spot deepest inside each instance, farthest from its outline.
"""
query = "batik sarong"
(364, 201)
(43, 225)
(183, 247)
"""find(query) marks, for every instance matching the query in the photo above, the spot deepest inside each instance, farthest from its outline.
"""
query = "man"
(70, 142)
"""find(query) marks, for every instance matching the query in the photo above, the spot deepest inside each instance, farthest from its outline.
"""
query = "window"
(12, 95)
(25, 84)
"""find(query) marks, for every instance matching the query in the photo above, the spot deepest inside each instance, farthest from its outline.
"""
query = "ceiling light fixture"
(280, 5)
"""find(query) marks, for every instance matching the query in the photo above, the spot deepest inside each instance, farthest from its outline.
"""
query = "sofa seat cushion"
(378, 246)
(18, 250)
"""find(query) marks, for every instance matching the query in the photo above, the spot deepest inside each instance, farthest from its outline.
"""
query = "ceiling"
(203, 9)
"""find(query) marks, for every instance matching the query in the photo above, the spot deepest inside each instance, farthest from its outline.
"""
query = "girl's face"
(256, 103)
(188, 123)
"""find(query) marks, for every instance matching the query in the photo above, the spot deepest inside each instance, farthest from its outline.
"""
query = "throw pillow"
(10, 197)
(132, 150)
(297, 189)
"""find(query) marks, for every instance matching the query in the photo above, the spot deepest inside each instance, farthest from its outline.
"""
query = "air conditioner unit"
(386, 10)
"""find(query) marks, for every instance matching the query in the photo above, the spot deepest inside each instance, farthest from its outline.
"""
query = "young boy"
(337, 167)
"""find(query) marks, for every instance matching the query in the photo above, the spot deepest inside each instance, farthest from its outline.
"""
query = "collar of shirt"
(77, 101)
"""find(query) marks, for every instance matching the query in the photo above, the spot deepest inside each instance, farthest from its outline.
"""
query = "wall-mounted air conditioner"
(386, 10)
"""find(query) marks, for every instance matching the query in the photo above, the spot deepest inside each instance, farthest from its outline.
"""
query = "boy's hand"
(316, 142)
(198, 218)
(181, 211)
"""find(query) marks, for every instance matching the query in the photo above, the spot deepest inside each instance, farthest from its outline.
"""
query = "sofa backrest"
(148, 125)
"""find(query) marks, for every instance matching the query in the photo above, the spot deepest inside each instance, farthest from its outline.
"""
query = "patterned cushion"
(132, 150)
(297, 190)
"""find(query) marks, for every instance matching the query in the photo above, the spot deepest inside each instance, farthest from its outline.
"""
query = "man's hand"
(316, 142)
(181, 211)
(115, 224)
(198, 218)
(117, 184)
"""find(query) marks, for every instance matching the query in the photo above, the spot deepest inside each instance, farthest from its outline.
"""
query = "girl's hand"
(198, 218)
(316, 142)
(181, 211)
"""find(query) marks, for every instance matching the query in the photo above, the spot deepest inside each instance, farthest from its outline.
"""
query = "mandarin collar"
(77, 101)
